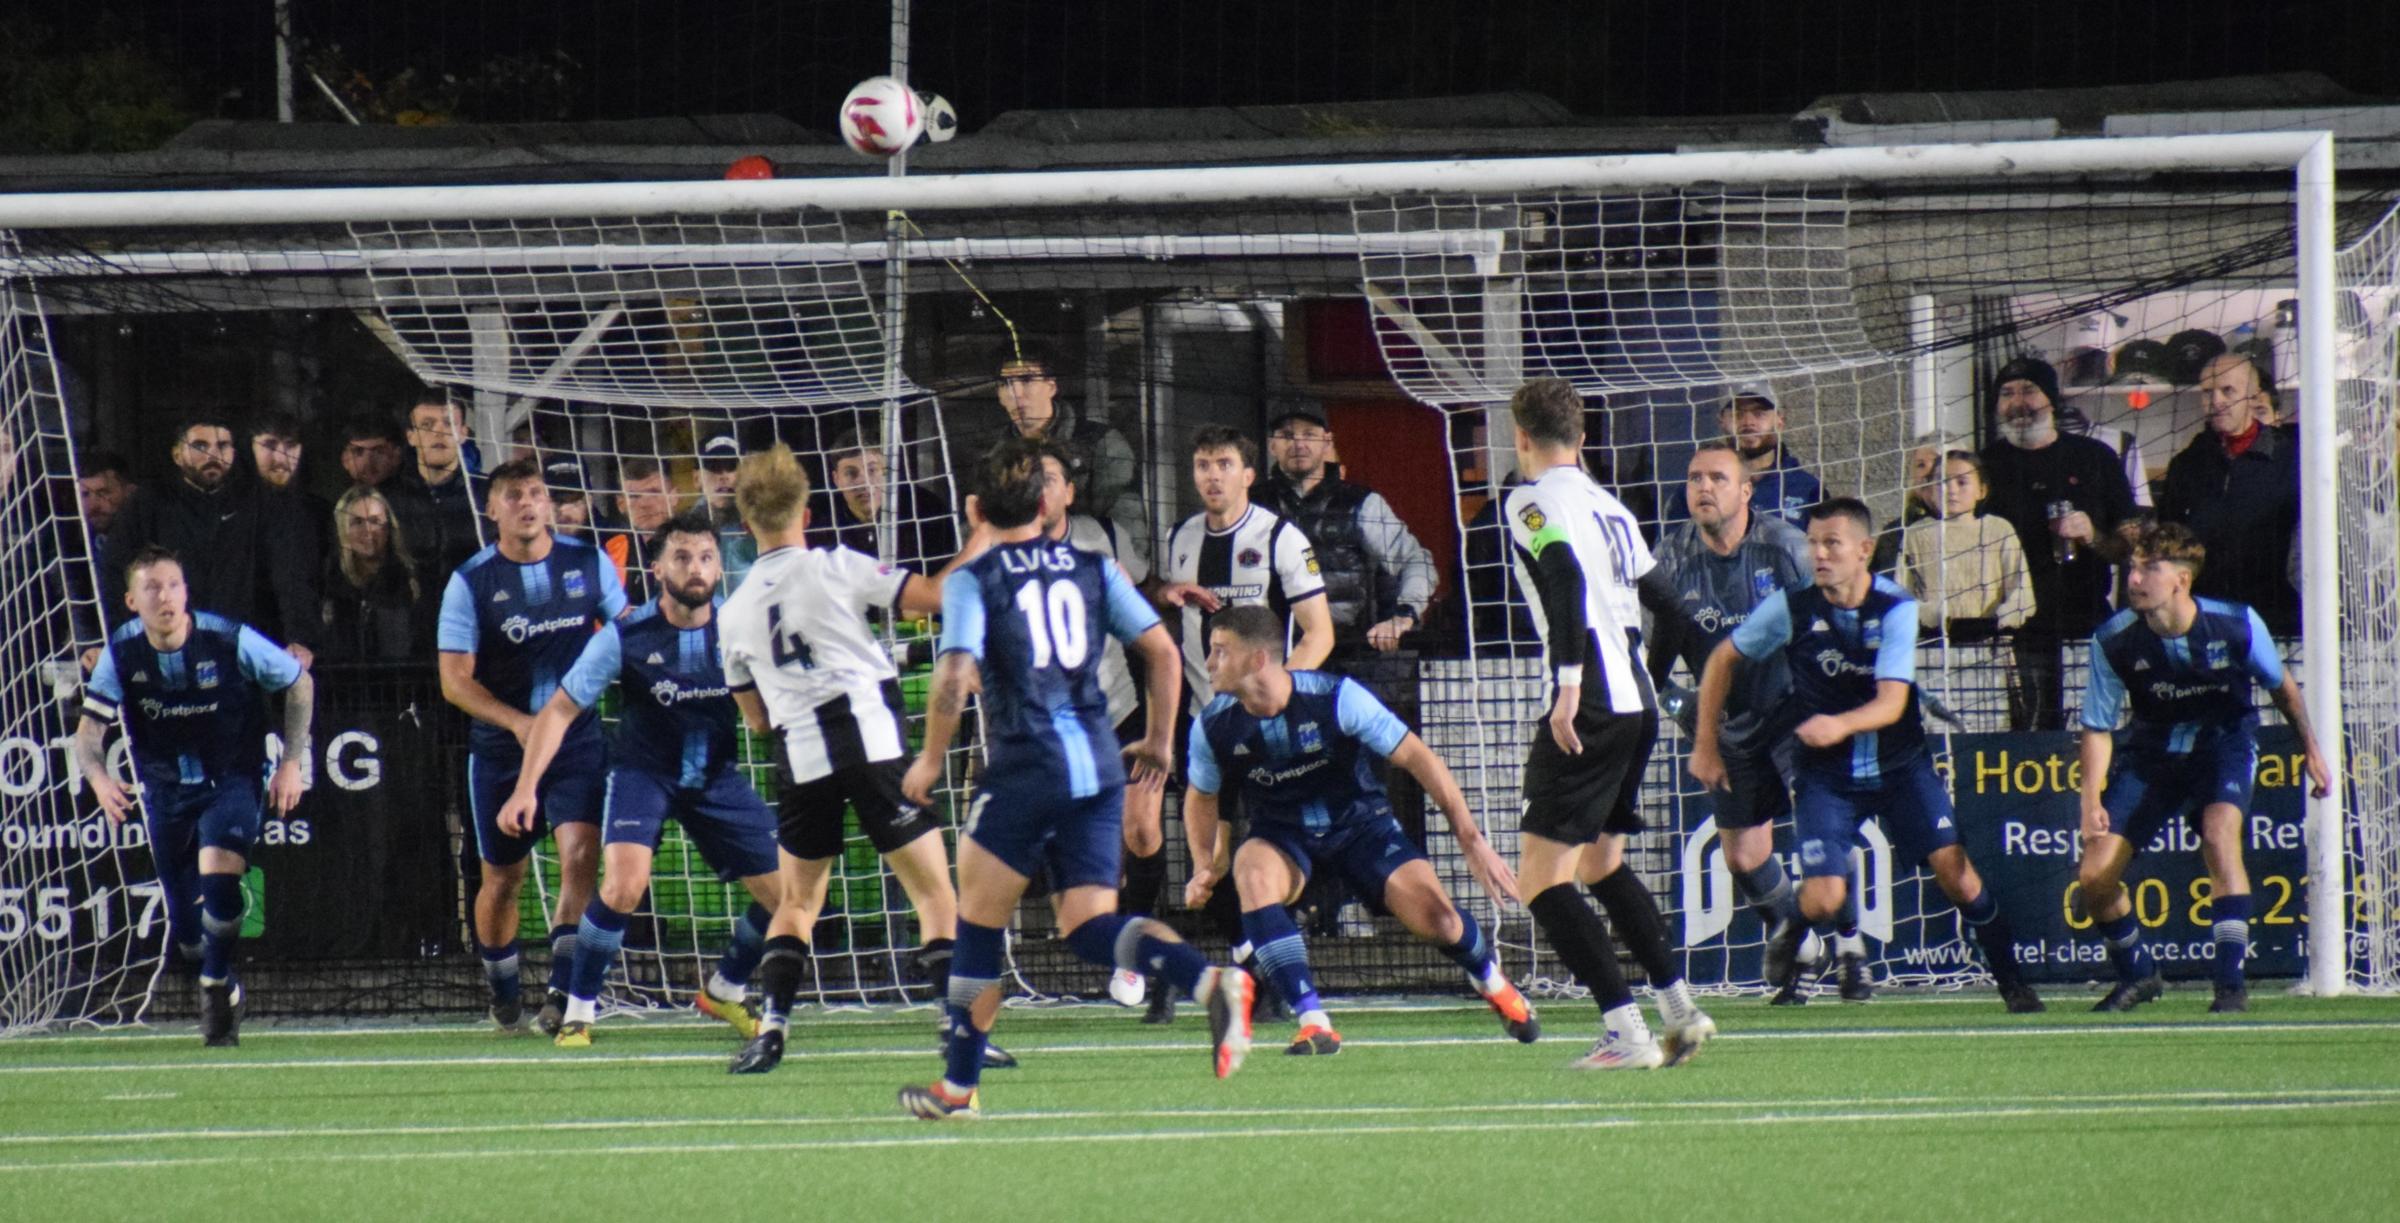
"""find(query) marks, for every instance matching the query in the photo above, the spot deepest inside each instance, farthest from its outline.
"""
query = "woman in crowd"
(1966, 570)
(373, 598)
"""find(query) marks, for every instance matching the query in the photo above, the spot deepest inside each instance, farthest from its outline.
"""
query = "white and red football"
(881, 117)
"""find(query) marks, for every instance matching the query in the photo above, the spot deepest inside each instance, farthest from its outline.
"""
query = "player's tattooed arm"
(91, 740)
(299, 706)
(955, 678)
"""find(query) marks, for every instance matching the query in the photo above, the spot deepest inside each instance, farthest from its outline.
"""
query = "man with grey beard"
(2065, 495)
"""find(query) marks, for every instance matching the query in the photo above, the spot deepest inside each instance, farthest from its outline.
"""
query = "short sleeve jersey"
(195, 713)
(1309, 765)
(1838, 656)
(1566, 508)
(2183, 691)
(678, 717)
(1033, 615)
(797, 632)
(526, 623)
(1116, 674)
(1719, 593)
(1259, 561)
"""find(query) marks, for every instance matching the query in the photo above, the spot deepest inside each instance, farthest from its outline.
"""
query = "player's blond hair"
(770, 489)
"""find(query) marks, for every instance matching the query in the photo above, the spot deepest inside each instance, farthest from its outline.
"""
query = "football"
(941, 119)
(881, 117)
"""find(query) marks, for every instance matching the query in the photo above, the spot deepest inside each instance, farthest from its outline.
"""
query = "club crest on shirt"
(1870, 635)
(1531, 516)
(1310, 738)
(1762, 582)
(1249, 556)
(1308, 557)
(2218, 656)
(204, 674)
(574, 584)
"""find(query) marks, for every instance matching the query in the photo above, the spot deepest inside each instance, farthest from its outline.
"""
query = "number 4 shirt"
(797, 632)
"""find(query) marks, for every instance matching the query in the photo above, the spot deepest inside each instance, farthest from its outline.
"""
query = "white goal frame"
(2307, 156)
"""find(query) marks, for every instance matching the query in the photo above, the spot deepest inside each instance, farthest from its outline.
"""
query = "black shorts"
(808, 814)
(1755, 792)
(1574, 800)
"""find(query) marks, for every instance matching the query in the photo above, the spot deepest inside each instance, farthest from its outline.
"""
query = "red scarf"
(2236, 444)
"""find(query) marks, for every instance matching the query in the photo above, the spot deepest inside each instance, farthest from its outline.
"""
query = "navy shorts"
(570, 793)
(183, 820)
(2146, 788)
(726, 818)
(1363, 855)
(1755, 792)
(1078, 842)
(1912, 805)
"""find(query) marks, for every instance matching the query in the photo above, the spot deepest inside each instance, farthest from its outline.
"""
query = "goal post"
(624, 318)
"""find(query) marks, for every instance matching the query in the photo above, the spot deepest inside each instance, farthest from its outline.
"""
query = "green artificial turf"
(1907, 1108)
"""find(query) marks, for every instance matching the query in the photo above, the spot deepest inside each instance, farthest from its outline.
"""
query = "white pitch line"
(2201, 1096)
(954, 1139)
(604, 1059)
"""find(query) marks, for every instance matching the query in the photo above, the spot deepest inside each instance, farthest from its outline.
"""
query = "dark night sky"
(1600, 57)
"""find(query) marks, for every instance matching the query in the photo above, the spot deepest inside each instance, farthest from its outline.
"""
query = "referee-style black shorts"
(1574, 800)
(808, 814)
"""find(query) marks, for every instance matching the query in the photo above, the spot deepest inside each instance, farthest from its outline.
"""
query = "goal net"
(1869, 296)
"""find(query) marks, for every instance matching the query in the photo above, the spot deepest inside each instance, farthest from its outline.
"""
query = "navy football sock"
(1282, 956)
(749, 943)
(1140, 948)
(596, 943)
(1769, 891)
(500, 969)
(562, 956)
(2123, 936)
(2231, 915)
(1992, 933)
(974, 968)
(220, 926)
(1472, 952)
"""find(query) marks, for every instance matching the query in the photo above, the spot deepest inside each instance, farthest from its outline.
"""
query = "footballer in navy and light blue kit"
(1026, 619)
(673, 754)
(2184, 668)
(1851, 644)
(1300, 746)
(514, 618)
(189, 689)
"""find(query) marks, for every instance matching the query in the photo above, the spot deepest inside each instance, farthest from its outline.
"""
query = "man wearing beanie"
(2065, 495)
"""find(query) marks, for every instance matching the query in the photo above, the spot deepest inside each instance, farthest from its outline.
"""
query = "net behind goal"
(1869, 294)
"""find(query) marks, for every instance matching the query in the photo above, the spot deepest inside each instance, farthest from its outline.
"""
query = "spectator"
(371, 451)
(924, 537)
(374, 606)
(1102, 461)
(2128, 448)
(1378, 579)
(1924, 494)
(275, 453)
(2237, 486)
(1965, 567)
(645, 500)
(1753, 422)
(570, 507)
(218, 521)
(719, 457)
(2066, 496)
(434, 500)
(103, 489)
(1496, 613)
